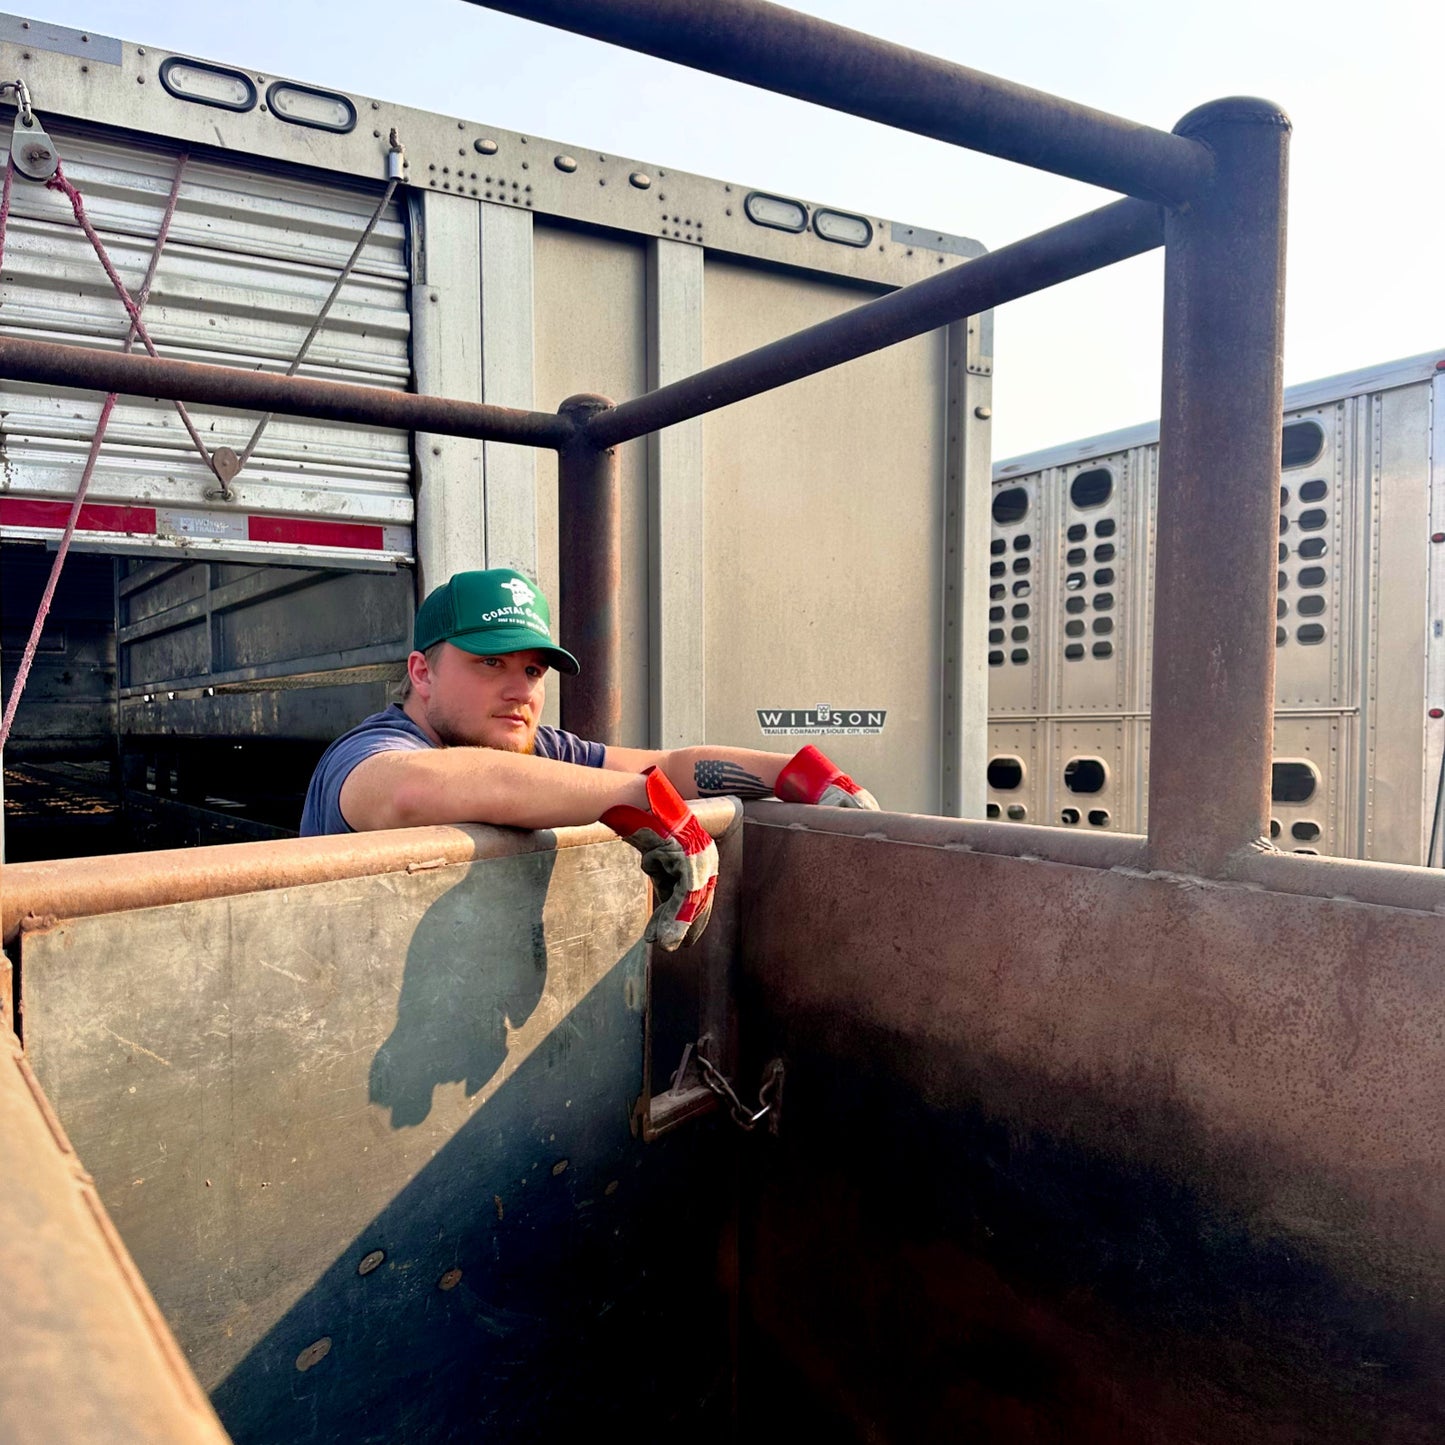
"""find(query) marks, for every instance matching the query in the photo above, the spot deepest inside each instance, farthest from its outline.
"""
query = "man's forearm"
(711, 772)
(480, 785)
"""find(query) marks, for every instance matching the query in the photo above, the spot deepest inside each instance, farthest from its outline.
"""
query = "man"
(465, 746)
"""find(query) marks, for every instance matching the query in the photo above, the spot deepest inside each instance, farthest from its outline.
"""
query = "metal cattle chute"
(1066, 1136)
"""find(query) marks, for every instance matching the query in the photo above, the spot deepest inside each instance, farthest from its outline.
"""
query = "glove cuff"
(805, 776)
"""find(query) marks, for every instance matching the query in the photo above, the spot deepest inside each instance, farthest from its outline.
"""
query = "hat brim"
(498, 641)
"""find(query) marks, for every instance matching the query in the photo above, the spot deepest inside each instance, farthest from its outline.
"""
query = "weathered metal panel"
(1160, 1161)
(439, 1067)
(253, 254)
(799, 611)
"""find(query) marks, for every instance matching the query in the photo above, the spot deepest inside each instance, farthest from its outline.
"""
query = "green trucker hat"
(490, 613)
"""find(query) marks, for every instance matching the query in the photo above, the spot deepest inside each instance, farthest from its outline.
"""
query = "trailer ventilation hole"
(990, 810)
(1310, 633)
(1021, 609)
(1309, 852)
(1281, 607)
(1023, 542)
(1312, 577)
(1282, 581)
(1293, 781)
(1075, 604)
(995, 634)
(1103, 649)
(1284, 496)
(1077, 532)
(1092, 488)
(1022, 589)
(1070, 816)
(1085, 775)
(996, 591)
(1313, 491)
(1106, 528)
(1274, 827)
(1019, 654)
(1074, 651)
(1075, 628)
(1301, 443)
(1280, 636)
(1283, 552)
(1099, 817)
(1017, 812)
(1283, 524)
(997, 546)
(1010, 506)
(1103, 626)
(1312, 547)
(1005, 773)
(995, 614)
(1313, 520)
(1305, 831)
(1020, 634)
(1023, 564)
(996, 569)
(1104, 577)
(1074, 581)
(1076, 556)
(1103, 601)
(1311, 606)
(995, 659)
(1104, 552)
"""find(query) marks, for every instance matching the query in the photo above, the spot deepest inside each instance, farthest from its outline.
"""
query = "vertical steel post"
(589, 508)
(1218, 524)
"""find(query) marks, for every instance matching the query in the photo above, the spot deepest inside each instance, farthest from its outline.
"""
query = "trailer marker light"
(1437, 712)
(846, 230)
(776, 211)
(1437, 536)
(205, 84)
(317, 109)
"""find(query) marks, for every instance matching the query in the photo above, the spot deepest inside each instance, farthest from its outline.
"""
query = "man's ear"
(419, 672)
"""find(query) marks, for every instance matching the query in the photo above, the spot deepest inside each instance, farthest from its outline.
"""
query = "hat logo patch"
(522, 595)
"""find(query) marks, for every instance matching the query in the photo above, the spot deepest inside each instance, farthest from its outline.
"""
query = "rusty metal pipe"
(49, 364)
(1099, 238)
(778, 49)
(38, 894)
(1219, 437)
(590, 507)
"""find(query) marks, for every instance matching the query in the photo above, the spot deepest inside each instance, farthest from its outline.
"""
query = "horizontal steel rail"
(778, 49)
(1099, 238)
(134, 375)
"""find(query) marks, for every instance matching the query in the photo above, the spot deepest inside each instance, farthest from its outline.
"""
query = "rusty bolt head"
(371, 1261)
(450, 1280)
(314, 1353)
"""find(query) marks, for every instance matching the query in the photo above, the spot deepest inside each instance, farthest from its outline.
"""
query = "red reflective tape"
(314, 534)
(94, 516)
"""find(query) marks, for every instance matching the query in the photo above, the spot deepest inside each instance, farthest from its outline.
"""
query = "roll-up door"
(252, 255)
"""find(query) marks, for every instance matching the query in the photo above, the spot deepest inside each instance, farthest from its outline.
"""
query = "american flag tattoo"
(715, 777)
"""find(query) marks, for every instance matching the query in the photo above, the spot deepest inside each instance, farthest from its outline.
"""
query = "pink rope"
(134, 308)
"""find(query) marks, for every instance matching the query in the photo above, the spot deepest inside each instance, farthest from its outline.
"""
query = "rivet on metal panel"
(485, 147)
(564, 163)
(461, 125)
(314, 1353)
(640, 179)
(983, 412)
(371, 1261)
(450, 1280)
(376, 105)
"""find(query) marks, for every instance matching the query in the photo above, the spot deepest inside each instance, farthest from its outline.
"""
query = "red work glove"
(809, 777)
(677, 854)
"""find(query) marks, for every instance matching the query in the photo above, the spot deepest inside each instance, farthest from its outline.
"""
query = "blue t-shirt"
(392, 729)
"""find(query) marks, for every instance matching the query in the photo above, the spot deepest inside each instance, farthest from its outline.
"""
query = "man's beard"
(455, 737)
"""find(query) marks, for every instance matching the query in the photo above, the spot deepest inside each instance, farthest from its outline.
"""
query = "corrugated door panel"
(1092, 774)
(1018, 588)
(1017, 784)
(1310, 793)
(591, 336)
(1093, 565)
(251, 258)
(824, 512)
(1316, 529)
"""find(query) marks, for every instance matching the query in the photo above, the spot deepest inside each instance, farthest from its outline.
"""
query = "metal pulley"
(31, 149)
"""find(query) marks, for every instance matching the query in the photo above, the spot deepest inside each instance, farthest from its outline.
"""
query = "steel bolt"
(983, 412)
(450, 1280)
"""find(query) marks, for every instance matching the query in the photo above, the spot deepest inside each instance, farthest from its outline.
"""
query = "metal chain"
(745, 1118)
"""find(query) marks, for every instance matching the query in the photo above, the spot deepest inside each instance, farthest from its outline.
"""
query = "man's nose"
(518, 687)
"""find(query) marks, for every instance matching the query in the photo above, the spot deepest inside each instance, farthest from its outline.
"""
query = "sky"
(1360, 82)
